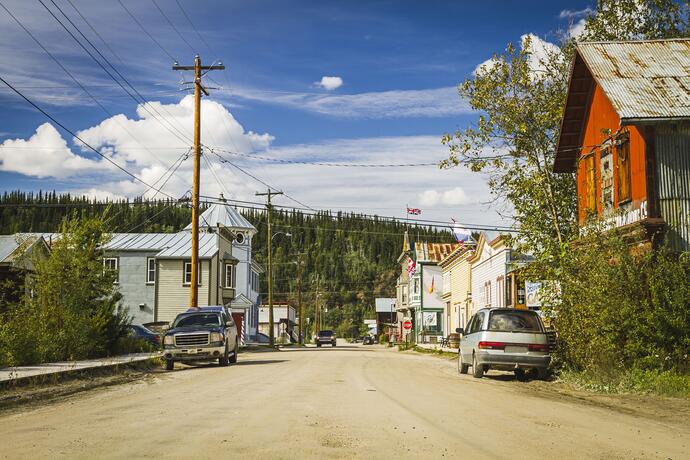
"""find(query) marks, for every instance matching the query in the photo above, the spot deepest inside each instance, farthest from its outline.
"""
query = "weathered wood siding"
(172, 294)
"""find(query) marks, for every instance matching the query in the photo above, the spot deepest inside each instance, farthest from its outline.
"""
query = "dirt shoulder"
(658, 408)
(38, 391)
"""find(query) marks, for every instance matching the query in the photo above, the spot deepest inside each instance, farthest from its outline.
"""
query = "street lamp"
(271, 334)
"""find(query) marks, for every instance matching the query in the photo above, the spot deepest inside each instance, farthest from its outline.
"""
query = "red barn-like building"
(626, 135)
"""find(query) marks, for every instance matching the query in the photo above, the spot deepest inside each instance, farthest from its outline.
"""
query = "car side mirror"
(459, 330)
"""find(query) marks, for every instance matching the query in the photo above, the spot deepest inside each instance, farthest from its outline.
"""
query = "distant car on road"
(203, 334)
(368, 340)
(505, 339)
(325, 337)
(142, 333)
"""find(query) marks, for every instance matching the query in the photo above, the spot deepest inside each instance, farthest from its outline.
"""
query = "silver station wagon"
(504, 339)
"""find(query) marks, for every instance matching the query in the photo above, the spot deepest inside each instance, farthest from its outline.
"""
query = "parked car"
(504, 339)
(325, 337)
(368, 340)
(203, 334)
(143, 333)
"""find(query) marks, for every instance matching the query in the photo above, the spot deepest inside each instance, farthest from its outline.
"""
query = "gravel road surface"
(352, 401)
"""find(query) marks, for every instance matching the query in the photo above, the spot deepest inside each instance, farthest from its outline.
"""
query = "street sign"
(407, 325)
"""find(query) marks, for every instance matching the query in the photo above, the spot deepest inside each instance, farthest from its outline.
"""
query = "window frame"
(233, 284)
(149, 271)
(116, 269)
(590, 195)
(623, 170)
(184, 273)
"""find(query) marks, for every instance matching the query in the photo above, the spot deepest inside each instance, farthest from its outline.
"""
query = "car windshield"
(197, 319)
(326, 333)
(514, 321)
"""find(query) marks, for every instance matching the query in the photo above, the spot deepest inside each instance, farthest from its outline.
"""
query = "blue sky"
(395, 66)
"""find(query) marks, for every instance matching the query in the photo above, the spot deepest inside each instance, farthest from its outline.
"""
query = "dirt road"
(348, 402)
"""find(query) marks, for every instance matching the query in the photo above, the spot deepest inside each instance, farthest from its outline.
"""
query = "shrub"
(621, 308)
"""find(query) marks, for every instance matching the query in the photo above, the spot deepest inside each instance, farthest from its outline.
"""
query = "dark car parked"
(142, 333)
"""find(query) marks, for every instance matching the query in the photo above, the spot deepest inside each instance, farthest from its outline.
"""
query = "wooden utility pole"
(300, 340)
(268, 195)
(198, 89)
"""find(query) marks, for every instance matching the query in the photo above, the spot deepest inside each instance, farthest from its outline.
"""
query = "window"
(606, 177)
(187, 280)
(255, 281)
(415, 286)
(229, 276)
(150, 270)
(623, 185)
(590, 184)
(499, 291)
(509, 291)
(487, 293)
(110, 266)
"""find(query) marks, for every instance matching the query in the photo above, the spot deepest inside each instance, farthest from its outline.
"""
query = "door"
(239, 324)
(465, 341)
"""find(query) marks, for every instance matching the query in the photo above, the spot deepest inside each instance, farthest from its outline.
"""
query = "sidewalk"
(21, 372)
(433, 346)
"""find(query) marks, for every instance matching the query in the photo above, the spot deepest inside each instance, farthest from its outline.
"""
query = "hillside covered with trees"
(347, 259)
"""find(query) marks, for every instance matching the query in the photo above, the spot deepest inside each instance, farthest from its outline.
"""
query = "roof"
(141, 241)
(224, 215)
(181, 246)
(434, 252)
(11, 245)
(645, 81)
(642, 79)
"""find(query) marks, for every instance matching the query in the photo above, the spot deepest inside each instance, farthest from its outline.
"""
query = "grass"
(440, 353)
(635, 381)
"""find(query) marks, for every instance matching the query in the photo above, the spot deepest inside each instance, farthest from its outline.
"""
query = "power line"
(57, 61)
(95, 31)
(143, 101)
(133, 176)
(173, 26)
(146, 31)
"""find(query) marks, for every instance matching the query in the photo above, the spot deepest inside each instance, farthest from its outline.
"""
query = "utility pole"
(268, 195)
(300, 340)
(198, 89)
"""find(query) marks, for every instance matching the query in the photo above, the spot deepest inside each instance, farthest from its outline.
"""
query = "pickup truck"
(202, 334)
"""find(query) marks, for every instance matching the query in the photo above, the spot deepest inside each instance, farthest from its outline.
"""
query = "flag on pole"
(411, 267)
(462, 235)
(414, 211)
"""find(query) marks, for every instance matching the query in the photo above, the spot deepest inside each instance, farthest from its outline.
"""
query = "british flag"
(414, 211)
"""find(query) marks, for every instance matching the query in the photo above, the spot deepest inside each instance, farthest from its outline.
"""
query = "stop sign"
(407, 325)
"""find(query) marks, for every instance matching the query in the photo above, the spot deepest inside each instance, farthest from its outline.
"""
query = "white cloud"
(436, 102)
(570, 14)
(540, 51)
(330, 83)
(452, 197)
(44, 154)
(577, 29)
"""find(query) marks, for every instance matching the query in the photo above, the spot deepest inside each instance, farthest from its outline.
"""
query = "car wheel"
(543, 373)
(333, 344)
(520, 375)
(318, 345)
(477, 370)
(235, 352)
(169, 364)
(462, 367)
(223, 360)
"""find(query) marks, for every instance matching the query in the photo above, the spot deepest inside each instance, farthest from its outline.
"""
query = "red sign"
(407, 325)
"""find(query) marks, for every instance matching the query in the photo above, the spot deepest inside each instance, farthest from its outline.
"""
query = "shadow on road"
(265, 361)
(325, 348)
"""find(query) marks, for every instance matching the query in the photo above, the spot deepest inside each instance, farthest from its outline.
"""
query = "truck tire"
(477, 370)
(169, 364)
(235, 352)
(333, 344)
(318, 345)
(223, 360)
(520, 375)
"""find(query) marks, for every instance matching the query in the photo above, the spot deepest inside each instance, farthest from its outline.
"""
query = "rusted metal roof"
(434, 252)
(643, 79)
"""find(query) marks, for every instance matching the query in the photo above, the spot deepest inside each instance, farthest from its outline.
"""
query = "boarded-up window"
(590, 184)
(623, 169)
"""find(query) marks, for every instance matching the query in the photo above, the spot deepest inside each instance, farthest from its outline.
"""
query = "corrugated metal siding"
(643, 79)
(673, 178)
